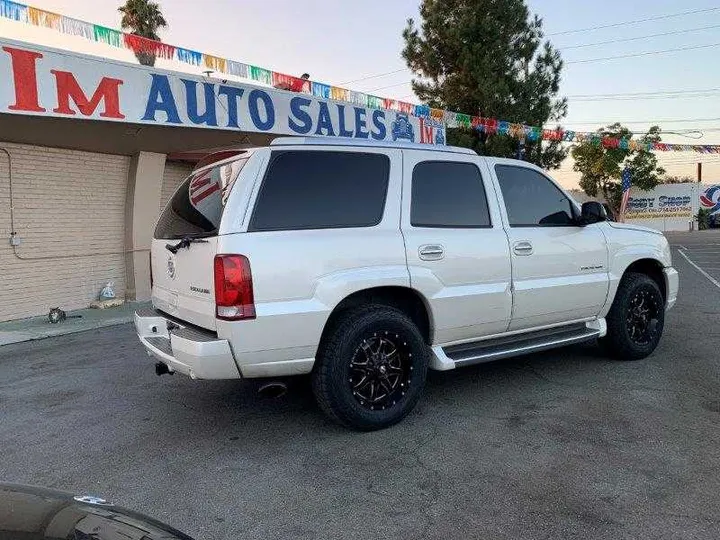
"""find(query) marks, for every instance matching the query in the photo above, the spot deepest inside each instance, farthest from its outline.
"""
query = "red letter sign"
(26, 91)
(198, 183)
(426, 132)
(107, 91)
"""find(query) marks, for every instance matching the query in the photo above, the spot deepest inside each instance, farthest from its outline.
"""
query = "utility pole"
(699, 172)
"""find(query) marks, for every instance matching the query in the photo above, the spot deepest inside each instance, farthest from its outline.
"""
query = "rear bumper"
(672, 284)
(197, 353)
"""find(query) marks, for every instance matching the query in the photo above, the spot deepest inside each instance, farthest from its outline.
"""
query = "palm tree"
(143, 18)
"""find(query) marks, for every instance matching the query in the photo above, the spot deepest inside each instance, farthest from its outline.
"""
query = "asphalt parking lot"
(563, 444)
(702, 251)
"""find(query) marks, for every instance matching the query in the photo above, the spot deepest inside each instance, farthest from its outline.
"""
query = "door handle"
(522, 248)
(431, 252)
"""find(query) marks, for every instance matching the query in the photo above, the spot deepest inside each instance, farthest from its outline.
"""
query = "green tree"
(601, 165)
(143, 18)
(488, 58)
(703, 219)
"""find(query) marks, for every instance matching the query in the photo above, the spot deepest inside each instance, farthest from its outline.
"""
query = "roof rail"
(339, 141)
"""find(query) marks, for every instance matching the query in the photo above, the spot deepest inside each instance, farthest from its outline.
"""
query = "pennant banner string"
(13, 11)
(139, 45)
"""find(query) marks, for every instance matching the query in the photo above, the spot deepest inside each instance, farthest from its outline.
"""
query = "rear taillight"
(233, 288)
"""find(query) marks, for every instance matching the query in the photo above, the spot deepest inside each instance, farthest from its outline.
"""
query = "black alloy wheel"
(636, 319)
(642, 316)
(371, 368)
(379, 372)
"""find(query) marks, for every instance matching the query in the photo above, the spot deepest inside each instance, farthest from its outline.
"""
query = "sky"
(345, 42)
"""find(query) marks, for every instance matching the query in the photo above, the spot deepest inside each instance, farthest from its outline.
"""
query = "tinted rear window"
(198, 204)
(448, 194)
(320, 190)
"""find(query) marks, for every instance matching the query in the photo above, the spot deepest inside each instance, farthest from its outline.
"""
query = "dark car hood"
(32, 513)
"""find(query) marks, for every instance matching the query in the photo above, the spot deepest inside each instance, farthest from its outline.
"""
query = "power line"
(388, 86)
(620, 94)
(665, 163)
(649, 53)
(698, 159)
(631, 96)
(710, 92)
(672, 158)
(715, 158)
(585, 61)
(667, 121)
(611, 41)
(580, 97)
(377, 76)
(643, 98)
(684, 163)
(636, 21)
(614, 25)
(685, 94)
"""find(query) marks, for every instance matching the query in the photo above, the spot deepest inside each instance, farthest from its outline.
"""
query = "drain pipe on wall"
(15, 240)
(13, 233)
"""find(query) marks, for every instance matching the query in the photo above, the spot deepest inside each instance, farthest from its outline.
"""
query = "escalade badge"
(171, 268)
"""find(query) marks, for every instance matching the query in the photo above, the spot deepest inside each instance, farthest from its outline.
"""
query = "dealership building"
(91, 150)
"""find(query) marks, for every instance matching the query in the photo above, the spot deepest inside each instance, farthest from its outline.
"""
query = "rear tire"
(371, 368)
(636, 318)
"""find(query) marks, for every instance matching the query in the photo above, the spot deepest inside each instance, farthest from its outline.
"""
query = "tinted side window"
(448, 194)
(319, 190)
(531, 199)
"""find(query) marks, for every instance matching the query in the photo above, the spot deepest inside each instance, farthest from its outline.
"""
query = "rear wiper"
(184, 244)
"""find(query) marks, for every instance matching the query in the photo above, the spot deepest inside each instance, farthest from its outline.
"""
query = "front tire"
(636, 318)
(371, 368)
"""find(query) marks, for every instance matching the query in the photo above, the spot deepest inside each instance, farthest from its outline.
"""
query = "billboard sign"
(648, 206)
(710, 198)
(40, 81)
(667, 207)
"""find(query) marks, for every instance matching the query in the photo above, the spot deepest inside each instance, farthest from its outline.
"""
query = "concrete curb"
(39, 327)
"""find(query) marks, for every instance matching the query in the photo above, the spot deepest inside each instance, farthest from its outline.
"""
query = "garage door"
(69, 213)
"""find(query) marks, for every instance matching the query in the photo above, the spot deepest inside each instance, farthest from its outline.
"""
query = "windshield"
(197, 206)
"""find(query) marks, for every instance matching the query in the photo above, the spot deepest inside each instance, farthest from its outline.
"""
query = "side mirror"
(592, 212)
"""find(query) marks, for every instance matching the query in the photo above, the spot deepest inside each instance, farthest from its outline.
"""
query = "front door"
(559, 269)
(456, 247)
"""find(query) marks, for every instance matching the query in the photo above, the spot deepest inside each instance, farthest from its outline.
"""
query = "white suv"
(365, 264)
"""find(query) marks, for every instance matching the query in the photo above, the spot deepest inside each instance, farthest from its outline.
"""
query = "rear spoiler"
(218, 156)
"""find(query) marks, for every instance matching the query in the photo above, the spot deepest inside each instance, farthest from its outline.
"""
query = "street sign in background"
(668, 207)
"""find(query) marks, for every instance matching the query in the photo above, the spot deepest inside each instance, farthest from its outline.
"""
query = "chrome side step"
(506, 347)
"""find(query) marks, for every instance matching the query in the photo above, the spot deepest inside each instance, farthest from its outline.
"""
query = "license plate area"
(172, 326)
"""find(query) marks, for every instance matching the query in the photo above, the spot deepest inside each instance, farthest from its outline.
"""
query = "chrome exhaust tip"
(273, 390)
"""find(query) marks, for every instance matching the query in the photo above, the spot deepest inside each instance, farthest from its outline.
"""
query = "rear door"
(456, 247)
(185, 244)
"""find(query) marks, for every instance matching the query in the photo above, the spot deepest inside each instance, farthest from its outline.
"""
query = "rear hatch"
(185, 244)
